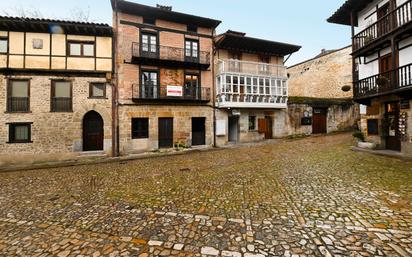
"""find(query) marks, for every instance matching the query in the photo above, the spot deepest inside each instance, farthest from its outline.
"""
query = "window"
(252, 123)
(140, 128)
(61, 96)
(191, 50)
(3, 45)
(20, 133)
(192, 86)
(149, 20)
(192, 28)
(18, 96)
(373, 127)
(97, 90)
(81, 49)
(149, 46)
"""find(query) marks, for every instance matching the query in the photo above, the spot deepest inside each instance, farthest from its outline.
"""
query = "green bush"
(359, 135)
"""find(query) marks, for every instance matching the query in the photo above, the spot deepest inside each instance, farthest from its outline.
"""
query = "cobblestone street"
(305, 197)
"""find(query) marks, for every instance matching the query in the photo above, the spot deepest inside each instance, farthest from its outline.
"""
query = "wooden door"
(383, 22)
(319, 123)
(265, 127)
(393, 141)
(93, 133)
(165, 132)
(385, 64)
(198, 131)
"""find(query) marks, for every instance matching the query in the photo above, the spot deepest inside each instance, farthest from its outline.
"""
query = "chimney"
(164, 7)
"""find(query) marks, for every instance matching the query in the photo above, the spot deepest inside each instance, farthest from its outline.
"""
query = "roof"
(343, 14)
(162, 14)
(23, 24)
(233, 40)
(322, 54)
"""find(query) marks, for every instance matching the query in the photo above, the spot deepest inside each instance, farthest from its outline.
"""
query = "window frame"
(91, 84)
(9, 95)
(12, 127)
(369, 129)
(191, 48)
(7, 44)
(135, 132)
(81, 43)
(149, 35)
(53, 91)
(254, 122)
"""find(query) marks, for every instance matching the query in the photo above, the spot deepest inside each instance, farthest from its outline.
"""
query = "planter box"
(366, 145)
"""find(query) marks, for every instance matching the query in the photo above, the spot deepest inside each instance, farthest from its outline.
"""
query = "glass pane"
(145, 39)
(20, 89)
(75, 49)
(98, 90)
(88, 49)
(62, 89)
(21, 133)
(3, 45)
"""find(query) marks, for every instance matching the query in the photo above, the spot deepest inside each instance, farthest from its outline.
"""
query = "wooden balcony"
(251, 68)
(391, 22)
(392, 82)
(169, 57)
(150, 92)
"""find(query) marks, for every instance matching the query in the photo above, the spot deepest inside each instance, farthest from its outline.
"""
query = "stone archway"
(93, 132)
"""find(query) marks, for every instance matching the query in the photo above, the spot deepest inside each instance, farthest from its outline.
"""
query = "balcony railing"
(251, 68)
(168, 53)
(388, 23)
(18, 104)
(61, 104)
(157, 92)
(383, 83)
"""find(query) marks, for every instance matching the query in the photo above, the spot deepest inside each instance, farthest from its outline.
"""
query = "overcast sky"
(298, 22)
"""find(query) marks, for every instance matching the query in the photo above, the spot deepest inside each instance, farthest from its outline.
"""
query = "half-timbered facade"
(55, 89)
(382, 68)
(251, 87)
(164, 77)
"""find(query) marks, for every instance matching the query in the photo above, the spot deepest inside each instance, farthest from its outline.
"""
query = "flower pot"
(366, 145)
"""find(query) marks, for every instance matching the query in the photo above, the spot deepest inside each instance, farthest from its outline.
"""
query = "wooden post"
(352, 21)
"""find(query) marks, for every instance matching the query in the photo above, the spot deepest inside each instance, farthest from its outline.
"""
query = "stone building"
(251, 87)
(382, 58)
(320, 99)
(55, 89)
(164, 77)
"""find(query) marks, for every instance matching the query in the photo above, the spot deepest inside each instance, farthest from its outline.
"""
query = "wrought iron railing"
(251, 68)
(383, 26)
(61, 104)
(18, 104)
(157, 92)
(384, 82)
(169, 53)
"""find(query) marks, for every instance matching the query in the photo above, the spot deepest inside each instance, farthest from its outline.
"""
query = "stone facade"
(318, 83)
(169, 34)
(55, 135)
(323, 76)
(79, 54)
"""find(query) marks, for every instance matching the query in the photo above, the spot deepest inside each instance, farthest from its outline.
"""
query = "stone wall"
(322, 77)
(55, 135)
(182, 125)
(339, 118)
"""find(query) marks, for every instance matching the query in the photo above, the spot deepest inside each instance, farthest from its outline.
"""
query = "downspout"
(214, 87)
(116, 88)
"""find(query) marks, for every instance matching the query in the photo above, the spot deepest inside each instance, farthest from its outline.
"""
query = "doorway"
(265, 127)
(93, 133)
(234, 129)
(165, 132)
(198, 131)
(319, 124)
(393, 141)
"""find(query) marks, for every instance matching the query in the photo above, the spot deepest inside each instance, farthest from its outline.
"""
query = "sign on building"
(176, 91)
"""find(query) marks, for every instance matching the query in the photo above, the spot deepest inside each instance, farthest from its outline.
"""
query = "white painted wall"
(405, 55)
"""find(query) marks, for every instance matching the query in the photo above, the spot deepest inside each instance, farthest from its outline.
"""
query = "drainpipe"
(214, 88)
(116, 139)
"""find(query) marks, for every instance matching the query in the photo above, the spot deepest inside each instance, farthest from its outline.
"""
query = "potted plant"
(382, 81)
(362, 142)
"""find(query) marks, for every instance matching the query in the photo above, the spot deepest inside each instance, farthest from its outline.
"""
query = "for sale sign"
(174, 91)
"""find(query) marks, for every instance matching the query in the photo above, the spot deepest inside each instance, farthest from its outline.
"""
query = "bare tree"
(79, 14)
(23, 11)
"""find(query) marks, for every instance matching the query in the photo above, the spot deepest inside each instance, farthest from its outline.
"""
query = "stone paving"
(307, 197)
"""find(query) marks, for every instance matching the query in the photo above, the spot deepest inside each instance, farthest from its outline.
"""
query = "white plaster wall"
(405, 55)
